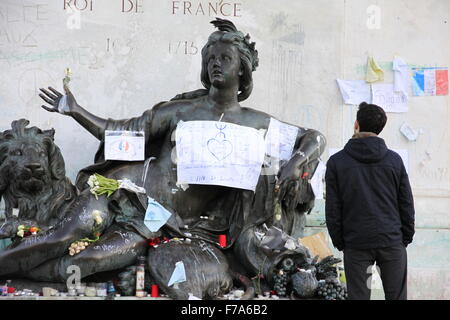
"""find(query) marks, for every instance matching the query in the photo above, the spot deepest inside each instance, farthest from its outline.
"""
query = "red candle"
(154, 291)
(223, 240)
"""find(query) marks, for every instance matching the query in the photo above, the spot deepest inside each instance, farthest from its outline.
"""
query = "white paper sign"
(317, 181)
(354, 91)
(219, 153)
(384, 95)
(280, 139)
(401, 75)
(124, 145)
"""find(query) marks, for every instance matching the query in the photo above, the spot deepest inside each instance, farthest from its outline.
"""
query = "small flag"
(430, 81)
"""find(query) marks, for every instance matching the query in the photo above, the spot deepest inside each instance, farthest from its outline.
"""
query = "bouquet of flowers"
(26, 231)
(80, 245)
(102, 185)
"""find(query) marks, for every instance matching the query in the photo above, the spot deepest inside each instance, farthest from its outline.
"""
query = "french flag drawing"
(430, 81)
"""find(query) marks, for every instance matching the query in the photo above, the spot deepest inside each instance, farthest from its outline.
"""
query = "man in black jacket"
(370, 208)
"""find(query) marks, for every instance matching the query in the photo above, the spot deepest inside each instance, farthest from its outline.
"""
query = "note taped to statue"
(219, 153)
(124, 145)
(280, 139)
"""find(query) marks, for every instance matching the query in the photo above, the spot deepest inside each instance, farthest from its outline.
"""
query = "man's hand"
(64, 104)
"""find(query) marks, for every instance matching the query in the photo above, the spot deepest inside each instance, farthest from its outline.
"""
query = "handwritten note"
(124, 145)
(219, 153)
(391, 101)
(280, 139)
(401, 75)
(354, 91)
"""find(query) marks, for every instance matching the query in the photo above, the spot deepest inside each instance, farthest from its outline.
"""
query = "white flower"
(91, 181)
(21, 227)
(97, 216)
(20, 233)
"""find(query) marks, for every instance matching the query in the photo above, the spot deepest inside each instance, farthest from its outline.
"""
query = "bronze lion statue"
(32, 178)
(33, 183)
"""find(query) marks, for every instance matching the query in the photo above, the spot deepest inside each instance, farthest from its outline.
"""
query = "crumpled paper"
(155, 215)
(374, 71)
(178, 275)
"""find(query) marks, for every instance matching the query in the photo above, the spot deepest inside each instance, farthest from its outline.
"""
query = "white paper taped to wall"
(124, 145)
(384, 95)
(219, 153)
(354, 91)
(409, 132)
(401, 75)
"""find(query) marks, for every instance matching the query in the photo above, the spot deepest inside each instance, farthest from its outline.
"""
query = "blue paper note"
(178, 275)
(156, 215)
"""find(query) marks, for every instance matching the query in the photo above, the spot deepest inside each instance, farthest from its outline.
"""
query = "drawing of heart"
(220, 149)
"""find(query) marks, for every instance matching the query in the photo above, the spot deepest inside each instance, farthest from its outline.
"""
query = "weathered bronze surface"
(228, 60)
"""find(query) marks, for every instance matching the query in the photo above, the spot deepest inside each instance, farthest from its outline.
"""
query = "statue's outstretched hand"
(64, 104)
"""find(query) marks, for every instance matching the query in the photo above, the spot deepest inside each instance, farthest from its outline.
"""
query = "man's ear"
(356, 126)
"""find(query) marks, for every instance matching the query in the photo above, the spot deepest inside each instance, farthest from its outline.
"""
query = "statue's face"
(224, 65)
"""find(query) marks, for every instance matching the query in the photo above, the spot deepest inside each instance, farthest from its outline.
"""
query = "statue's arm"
(154, 122)
(309, 145)
(67, 105)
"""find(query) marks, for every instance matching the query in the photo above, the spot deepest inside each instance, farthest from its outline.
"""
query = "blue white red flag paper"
(124, 145)
(430, 81)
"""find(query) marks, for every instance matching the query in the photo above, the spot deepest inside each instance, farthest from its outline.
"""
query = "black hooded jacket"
(369, 203)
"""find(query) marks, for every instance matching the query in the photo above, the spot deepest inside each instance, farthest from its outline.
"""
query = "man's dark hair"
(371, 118)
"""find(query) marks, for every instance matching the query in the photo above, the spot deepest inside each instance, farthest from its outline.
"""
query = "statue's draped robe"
(238, 213)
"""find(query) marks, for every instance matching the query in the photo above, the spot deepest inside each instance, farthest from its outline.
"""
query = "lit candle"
(223, 240)
(155, 291)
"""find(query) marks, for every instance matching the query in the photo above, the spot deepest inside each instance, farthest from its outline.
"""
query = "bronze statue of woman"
(228, 60)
